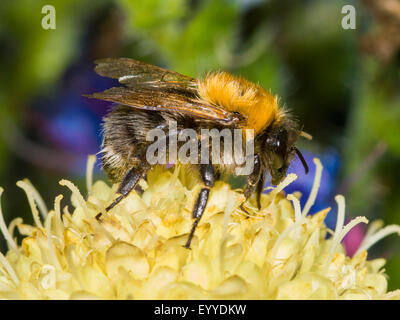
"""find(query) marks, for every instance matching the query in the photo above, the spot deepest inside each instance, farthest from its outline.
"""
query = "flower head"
(136, 251)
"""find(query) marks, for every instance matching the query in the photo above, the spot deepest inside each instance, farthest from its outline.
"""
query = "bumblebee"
(150, 97)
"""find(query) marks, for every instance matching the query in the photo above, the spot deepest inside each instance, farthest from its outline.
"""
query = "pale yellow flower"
(136, 251)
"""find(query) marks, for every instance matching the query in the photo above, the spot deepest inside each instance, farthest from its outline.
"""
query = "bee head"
(279, 144)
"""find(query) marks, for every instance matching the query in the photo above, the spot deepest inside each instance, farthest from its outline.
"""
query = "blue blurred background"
(342, 84)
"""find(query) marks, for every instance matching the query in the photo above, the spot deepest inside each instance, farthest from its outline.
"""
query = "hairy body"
(153, 97)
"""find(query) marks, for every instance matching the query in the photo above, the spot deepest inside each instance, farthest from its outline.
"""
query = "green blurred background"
(342, 84)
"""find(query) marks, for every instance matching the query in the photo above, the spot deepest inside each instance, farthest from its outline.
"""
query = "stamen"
(10, 241)
(283, 235)
(340, 215)
(369, 241)
(82, 203)
(67, 218)
(75, 191)
(12, 225)
(298, 221)
(59, 222)
(9, 269)
(314, 191)
(230, 203)
(89, 172)
(350, 226)
(340, 232)
(288, 180)
(29, 193)
(38, 198)
(50, 241)
(373, 227)
(296, 205)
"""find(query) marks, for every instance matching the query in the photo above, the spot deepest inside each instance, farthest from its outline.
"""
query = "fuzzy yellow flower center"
(136, 251)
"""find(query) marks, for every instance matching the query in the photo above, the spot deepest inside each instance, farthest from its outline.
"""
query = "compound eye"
(273, 143)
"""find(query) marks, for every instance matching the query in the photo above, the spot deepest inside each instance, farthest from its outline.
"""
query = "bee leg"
(129, 182)
(260, 187)
(248, 191)
(139, 190)
(253, 181)
(207, 175)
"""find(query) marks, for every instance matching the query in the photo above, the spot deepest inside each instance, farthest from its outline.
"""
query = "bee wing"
(169, 101)
(152, 88)
(133, 73)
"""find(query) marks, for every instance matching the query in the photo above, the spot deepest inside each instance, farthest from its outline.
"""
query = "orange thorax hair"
(233, 93)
